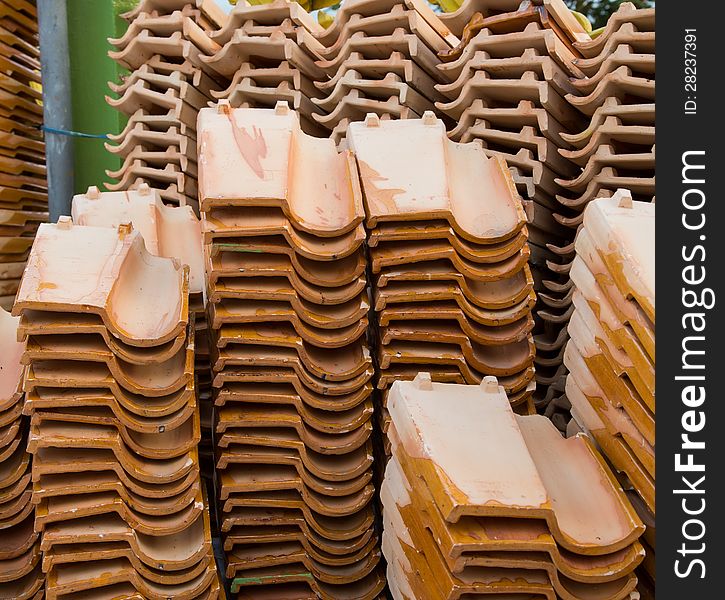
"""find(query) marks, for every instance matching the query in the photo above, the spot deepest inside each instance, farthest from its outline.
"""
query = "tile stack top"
(282, 219)
(169, 82)
(114, 423)
(169, 231)
(452, 289)
(107, 272)
(526, 524)
(616, 146)
(262, 158)
(23, 177)
(379, 57)
(267, 54)
(611, 354)
(21, 574)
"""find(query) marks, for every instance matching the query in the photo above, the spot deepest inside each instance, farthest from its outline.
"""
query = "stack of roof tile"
(173, 232)
(617, 148)
(21, 576)
(282, 219)
(169, 82)
(380, 57)
(535, 515)
(510, 76)
(114, 425)
(610, 355)
(23, 184)
(268, 54)
(451, 286)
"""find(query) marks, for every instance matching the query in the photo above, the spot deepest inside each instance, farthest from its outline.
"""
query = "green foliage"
(598, 11)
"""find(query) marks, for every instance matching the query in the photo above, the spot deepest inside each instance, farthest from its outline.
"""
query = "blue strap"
(96, 136)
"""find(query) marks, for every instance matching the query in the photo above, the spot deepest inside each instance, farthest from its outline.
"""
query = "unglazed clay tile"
(161, 82)
(398, 298)
(338, 499)
(500, 491)
(172, 552)
(178, 45)
(511, 92)
(467, 208)
(395, 254)
(269, 77)
(613, 129)
(183, 103)
(281, 426)
(277, 47)
(641, 19)
(118, 279)
(337, 364)
(153, 131)
(641, 162)
(471, 538)
(377, 68)
(641, 42)
(619, 82)
(173, 232)
(275, 554)
(511, 67)
(93, 376)
(147, 379)
(642, 64)
(313, 281)
(80, 436)
(380, 47)
(66, 580)
(52, 462)
(264, 160)
(160, 25)
(213, 14)
(627, 114)
(381, 89)
(226, 226)
(266, 14)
